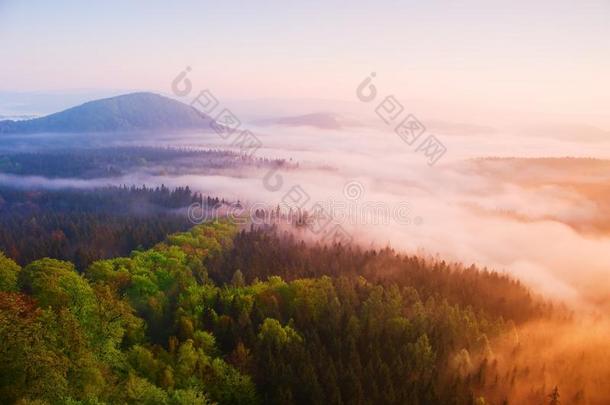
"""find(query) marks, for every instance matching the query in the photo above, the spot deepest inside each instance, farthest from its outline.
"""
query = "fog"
(521, 219)
(524, 367)
(543, 222)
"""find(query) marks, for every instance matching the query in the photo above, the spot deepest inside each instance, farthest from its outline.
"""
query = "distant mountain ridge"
(129, 112)
(321, 120)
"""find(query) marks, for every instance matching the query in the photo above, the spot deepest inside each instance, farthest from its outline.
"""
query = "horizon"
(532, 60)
(390, 202)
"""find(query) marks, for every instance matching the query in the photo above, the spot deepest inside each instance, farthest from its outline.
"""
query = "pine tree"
(554, 397)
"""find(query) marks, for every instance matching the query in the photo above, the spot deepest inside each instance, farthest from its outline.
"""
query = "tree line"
(82, 226)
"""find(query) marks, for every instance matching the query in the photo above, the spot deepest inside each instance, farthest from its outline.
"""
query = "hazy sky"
(540, 56)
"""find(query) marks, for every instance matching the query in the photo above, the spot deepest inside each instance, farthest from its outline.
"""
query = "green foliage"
(141, 391)
(152, 328)
(188, 396)
(274, 335)
(9, 272)
(238, 279)
(56, 284)
(33, 365)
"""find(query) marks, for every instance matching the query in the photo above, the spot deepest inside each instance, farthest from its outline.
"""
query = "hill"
(129, 112)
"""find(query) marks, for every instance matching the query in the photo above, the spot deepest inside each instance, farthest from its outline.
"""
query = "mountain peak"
(141, 111)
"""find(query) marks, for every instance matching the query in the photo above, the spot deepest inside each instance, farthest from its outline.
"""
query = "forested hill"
(162, 326)
(87, 225)
(129, 112)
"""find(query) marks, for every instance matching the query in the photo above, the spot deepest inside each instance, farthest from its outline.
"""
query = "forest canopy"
(218, 314)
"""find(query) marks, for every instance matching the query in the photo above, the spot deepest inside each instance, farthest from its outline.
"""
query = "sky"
(543, 57)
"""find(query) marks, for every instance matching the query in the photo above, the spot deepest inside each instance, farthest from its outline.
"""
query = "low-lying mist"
(526, 366)
(541, 220)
